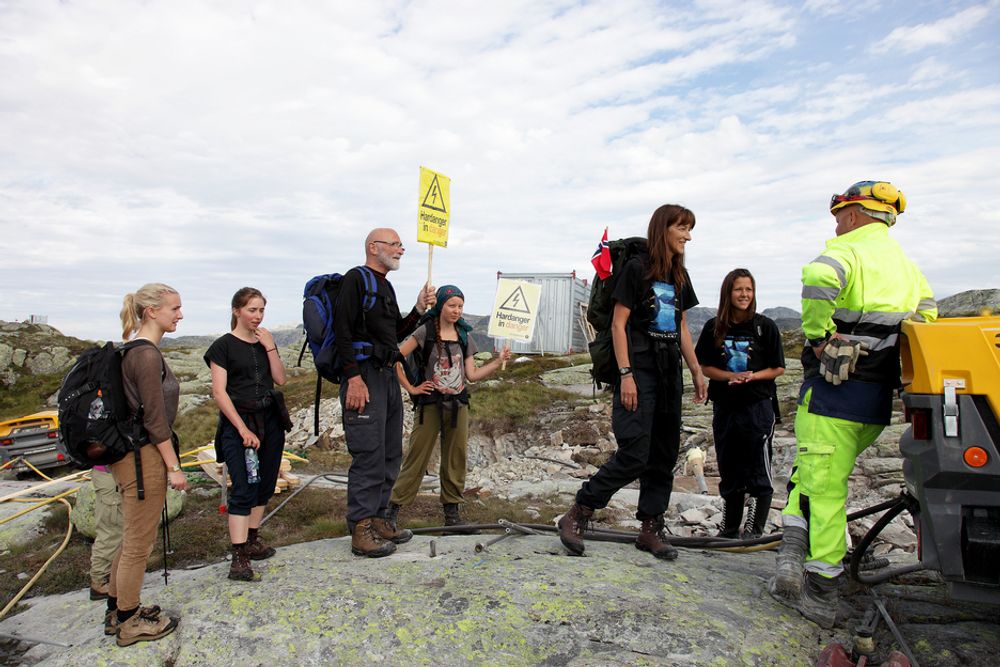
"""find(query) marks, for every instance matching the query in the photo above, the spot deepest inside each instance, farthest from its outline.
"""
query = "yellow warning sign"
(515, 310)
(433, 208)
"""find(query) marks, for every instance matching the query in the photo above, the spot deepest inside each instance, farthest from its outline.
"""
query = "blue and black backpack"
(318, 308)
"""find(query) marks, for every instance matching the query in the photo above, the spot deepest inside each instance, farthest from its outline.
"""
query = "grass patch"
(500, 408)
(28, 395)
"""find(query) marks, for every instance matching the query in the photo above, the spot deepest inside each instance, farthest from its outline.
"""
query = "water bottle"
(96, 408)
(253, 465)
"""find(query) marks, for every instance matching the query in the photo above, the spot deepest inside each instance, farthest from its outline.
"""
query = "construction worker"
(854, 296)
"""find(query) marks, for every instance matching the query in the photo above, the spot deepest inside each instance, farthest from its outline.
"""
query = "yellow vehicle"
(951, 377)
(34, 438)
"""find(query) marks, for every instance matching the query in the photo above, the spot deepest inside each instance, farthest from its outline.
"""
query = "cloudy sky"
(212, 144)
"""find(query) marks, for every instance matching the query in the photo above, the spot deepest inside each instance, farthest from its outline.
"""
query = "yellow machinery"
(951, 377)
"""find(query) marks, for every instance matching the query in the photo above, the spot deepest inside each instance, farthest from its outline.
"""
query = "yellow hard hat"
(881, 198)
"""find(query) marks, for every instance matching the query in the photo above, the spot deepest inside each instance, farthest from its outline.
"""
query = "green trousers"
(108, 526)
(454, 441)
(817, 501)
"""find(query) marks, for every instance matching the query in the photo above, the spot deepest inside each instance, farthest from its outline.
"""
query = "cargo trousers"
(107, 526)
(817, 498)
(454, 454)
(374, 441)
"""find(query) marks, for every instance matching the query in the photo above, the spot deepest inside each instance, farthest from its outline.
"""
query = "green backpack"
(600, 310)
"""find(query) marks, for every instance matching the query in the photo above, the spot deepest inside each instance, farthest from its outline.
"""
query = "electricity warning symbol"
(516, 302)
(434, 200)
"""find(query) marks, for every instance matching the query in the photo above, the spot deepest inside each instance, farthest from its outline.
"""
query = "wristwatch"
(175, 468)
(625, 370)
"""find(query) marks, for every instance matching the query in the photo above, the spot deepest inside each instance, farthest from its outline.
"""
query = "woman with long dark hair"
(650, 336)
(740, 353)
(250, 438)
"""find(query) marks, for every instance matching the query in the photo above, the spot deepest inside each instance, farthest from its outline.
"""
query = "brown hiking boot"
(99, 591)
(365, 541)
(256, 548)
(389, 531)
(572, 526)
(143, 626)
(111, 618)
(652, 539)
(240, 568)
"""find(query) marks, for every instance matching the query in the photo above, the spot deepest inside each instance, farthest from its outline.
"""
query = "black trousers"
(243, 496)
(648, 439)
(375, 443)
(743, 438)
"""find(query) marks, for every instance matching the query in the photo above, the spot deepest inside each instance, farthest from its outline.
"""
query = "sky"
(212, 144)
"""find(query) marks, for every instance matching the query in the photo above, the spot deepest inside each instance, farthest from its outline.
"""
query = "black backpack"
(95, 422)
(600, 310)
(318, 308)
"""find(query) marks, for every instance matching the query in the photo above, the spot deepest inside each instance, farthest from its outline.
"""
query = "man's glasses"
(394, 244)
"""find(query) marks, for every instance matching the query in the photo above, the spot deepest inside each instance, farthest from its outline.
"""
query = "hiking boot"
(256, 548)
(819, 599)
(756, 517)
(572, 525)
(392, 514)
(453, 517)
(365, 541)
(789, 563)
(99, 591)
(111, 618)
(652, 539)
(144, 626)
(240, 568)
(732, 514)
(389, 531)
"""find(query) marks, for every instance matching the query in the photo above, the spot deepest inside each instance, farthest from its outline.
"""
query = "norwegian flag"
(602, 257)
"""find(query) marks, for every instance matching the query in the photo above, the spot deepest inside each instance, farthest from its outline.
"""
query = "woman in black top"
(741, 354)
(251, 436)
(650, 335)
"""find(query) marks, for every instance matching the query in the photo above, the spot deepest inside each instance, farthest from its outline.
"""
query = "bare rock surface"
(520, 602)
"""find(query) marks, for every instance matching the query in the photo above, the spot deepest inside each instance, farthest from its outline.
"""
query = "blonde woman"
(152, 391)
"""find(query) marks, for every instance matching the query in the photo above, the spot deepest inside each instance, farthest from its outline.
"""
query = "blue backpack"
(318, 308)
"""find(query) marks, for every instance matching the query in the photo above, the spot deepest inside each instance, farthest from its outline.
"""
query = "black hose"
(896, 508)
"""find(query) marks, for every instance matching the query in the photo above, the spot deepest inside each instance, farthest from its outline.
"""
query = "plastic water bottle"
(96, 408)
(253, 465)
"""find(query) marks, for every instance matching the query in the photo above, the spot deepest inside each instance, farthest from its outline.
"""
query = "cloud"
(946, 31)
(216, 145)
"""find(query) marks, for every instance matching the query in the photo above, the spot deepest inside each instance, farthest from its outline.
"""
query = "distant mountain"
(781, 313)
(283, 337)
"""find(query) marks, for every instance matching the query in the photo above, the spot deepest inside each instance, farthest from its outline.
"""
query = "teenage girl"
(442, 402)
(251, 435)
(740, 353)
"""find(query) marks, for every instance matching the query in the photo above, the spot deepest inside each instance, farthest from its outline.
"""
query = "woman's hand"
(629, 393)
(505, 354)
(177, 480)
(700, 390)
(249, 438)
(265, 338)
(742, 378)
(424, 387)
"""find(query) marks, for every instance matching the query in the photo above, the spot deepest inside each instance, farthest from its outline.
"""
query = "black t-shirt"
(656, 308)
(748, 346)
(383, 326)
(248, 371)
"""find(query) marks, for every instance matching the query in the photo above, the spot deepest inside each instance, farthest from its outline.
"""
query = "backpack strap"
(138, 431)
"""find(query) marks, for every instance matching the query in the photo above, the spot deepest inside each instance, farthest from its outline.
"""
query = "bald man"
(367, 340)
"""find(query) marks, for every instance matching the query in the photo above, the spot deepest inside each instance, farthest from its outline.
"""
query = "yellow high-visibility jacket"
(862, 287)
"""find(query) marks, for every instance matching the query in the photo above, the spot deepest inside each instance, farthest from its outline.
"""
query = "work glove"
(840, 359)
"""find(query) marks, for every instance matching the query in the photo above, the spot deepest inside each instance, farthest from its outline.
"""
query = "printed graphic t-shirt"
(446, 371)
(748, 346)
(656, 307)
